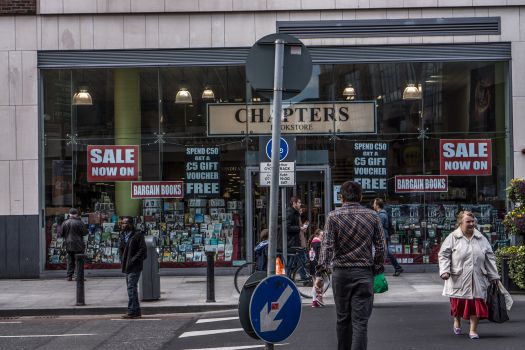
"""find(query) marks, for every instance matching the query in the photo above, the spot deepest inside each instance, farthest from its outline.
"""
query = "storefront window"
(353, 121)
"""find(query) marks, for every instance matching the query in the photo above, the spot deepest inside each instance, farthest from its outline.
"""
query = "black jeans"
(354, 297)
(132, 280)
(71, 263)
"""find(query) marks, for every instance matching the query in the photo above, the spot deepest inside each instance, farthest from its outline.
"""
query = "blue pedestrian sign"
(283, 149)
(275, 308)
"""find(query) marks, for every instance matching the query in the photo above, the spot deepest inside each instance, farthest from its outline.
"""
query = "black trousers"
(71, 263)
(354, 298)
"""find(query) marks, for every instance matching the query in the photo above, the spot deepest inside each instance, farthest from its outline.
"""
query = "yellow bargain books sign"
(300, 118)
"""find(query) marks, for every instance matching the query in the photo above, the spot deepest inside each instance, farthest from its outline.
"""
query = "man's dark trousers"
(132, 280)
(354, 297)
(71, 263)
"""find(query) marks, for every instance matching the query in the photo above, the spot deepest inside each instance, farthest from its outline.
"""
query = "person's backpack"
(261, 256)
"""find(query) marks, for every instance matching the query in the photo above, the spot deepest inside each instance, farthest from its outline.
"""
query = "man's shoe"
(130, 317)
(398, 272)
(69, 278)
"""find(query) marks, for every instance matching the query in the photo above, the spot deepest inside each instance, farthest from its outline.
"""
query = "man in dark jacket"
(379, 205)
(294, 229)
(73, 230)
(133, 251)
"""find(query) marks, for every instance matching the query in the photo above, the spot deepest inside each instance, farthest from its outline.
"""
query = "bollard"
(210, 277)
(505, 273)
(80, 258)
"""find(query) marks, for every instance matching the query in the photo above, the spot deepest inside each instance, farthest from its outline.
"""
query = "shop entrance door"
(313, 184)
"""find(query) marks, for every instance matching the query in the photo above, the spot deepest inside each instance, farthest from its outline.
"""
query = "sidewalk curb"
(91, 310)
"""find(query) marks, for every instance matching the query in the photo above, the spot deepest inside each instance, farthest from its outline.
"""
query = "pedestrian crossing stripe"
(208, 320)
(209, 332)
(239, 347)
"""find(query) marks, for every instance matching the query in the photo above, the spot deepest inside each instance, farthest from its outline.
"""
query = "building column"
(127, 132)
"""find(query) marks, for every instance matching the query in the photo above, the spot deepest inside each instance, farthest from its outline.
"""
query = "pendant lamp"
(208, 94)
(82, 97)
(412, 92)
(349, 92)
(183, 96)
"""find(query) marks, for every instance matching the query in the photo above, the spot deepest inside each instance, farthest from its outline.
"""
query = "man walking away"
(346, 249)
(379, 206)
(132, 251)
(73, 230)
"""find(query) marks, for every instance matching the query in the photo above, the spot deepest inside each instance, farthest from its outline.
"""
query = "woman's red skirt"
(465, 308)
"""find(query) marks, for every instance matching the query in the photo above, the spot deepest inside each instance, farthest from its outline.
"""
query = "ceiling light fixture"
(412, 92)
(183, 96)
(208, 94)
(82, 97)
(349, 92)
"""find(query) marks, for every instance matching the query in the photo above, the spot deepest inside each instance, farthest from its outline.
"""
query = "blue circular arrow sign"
(283, 149)
(275, 308)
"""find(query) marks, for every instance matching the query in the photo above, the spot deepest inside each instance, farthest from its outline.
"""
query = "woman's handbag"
(380, 283)
(496, 304)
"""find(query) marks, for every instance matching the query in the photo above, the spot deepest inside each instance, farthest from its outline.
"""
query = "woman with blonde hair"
(467, 265)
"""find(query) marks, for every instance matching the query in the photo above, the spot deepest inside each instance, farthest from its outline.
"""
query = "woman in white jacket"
(467, 264)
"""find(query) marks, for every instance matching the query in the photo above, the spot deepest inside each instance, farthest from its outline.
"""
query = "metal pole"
(283, 225)
(276, 134)
(210, 277)
(81, 301)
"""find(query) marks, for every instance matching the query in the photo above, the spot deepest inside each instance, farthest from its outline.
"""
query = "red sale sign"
(112, 163)
(465, 157)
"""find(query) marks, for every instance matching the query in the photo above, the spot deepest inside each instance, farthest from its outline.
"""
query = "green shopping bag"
(380, 283)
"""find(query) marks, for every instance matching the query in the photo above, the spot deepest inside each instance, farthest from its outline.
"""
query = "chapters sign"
(202, 171)
(112, 163)
(465, 157)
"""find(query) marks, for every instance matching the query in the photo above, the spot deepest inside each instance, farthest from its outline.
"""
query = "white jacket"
(471, 265)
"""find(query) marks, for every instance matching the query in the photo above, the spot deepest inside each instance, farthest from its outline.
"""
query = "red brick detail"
(17, 7)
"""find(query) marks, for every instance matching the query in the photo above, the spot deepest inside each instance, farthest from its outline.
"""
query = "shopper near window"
(261, 251)
(379, 206)
(468, 265)
(294, 230)
(350, 232)
(133, 251)
(73, 229)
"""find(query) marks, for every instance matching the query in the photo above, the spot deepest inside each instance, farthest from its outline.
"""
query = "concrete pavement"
(105, 295)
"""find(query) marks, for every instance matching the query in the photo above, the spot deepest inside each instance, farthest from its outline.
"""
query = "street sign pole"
(284, 232)
(276, 135)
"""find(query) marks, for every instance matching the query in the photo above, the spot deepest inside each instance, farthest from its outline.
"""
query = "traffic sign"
(286, 174)
(297, 65)
(283, 149)
(266, 167)
(275, 308)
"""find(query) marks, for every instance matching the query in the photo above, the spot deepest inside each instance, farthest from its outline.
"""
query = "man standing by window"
(132, 252)
(73, 230)
(346, 249)
(294, 230)
(379, 206)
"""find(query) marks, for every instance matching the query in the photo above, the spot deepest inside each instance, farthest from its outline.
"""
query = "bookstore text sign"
(370, 165)
(112, 163)
(421, 183)
(465, 157)
(202, 171)
(157, 189)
